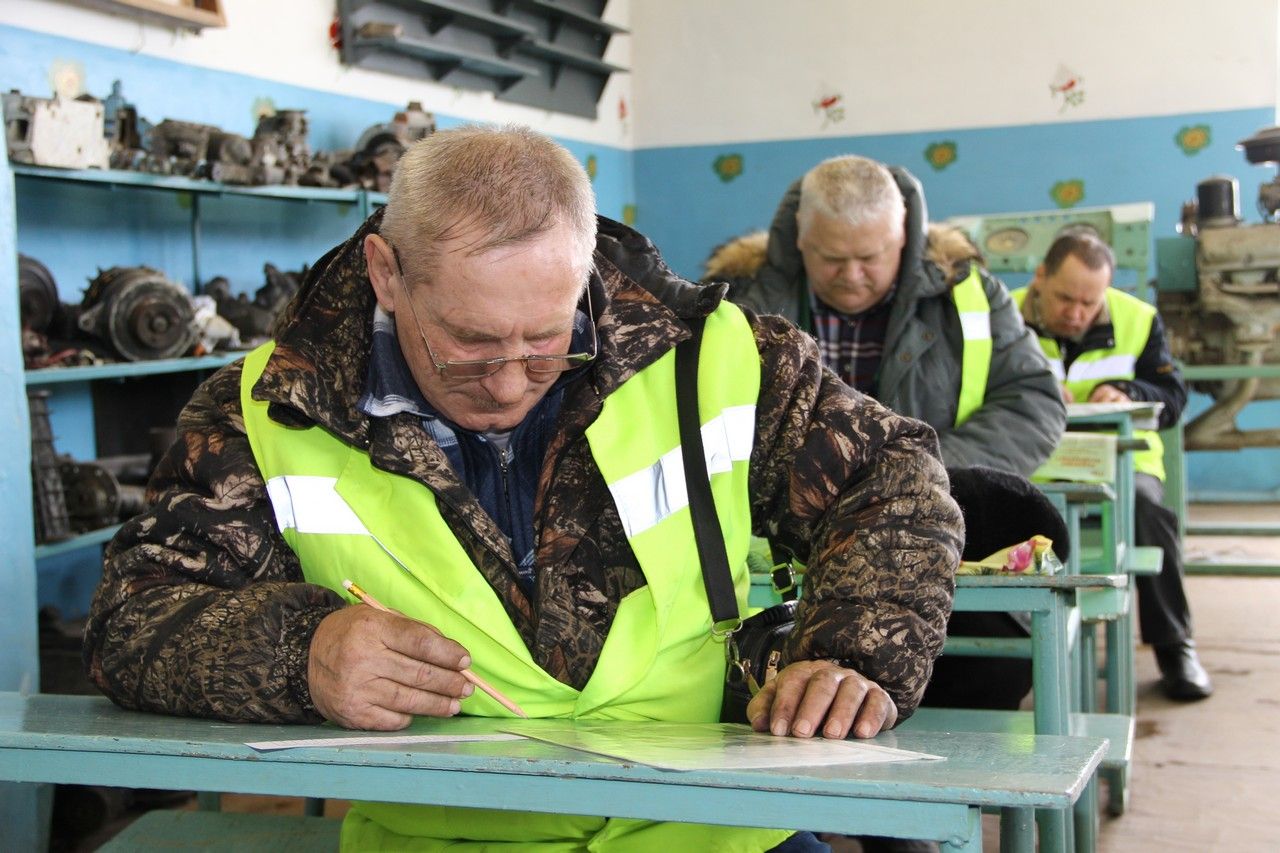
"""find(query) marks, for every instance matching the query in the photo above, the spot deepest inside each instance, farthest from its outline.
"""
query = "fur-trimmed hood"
(948, 247)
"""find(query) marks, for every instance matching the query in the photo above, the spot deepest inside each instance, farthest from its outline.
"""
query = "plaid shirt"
(852, 344)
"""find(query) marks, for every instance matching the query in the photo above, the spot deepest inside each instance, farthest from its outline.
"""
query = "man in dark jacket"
(467, 405)
(851, 259)
(1106, 347)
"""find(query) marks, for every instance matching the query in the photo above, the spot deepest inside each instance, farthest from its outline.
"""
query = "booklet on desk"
(705, 746)
(1081, 457)
(1145, 415)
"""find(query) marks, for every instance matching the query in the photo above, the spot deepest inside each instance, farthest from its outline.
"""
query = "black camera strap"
(716, 574)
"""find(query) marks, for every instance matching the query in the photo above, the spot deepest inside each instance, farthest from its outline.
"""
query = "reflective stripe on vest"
(975, 327)
(345, 518)
(649, 495)
(1131, 322)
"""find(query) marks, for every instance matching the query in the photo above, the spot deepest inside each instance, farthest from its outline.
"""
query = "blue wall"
(686, 208)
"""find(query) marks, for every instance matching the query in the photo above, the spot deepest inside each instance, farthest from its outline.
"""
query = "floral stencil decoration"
(1069, 86)
(727, 166)
(1067, 193)
(830, 105)
(1194, 138)
(628, 214)
(940, 155)
(593, 166)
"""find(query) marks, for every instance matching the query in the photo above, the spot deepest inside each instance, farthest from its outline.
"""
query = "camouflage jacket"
(203, 610)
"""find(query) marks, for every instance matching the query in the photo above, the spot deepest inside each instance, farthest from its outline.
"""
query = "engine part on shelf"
(51, 519)
(281, 154)
(139, 312)
(1219, 295)
(55, 131)
(178, 148)
(128, 134)
(381, 146)
(213, 331)
(49, 329)
(130, 468)
(255, 318)
(92, 495)
(229, 159)
(38, 303)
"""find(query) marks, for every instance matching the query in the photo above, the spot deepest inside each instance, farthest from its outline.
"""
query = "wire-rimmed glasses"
(460, 370)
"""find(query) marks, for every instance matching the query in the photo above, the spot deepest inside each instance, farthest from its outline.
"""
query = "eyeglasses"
(542, 366)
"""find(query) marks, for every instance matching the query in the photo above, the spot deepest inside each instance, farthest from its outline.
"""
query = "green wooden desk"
(87, 740)
(1053, 603)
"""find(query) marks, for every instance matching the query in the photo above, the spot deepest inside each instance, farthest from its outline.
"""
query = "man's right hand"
(375, 670)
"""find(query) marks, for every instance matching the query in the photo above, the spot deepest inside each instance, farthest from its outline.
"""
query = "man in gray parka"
(905, 313)
(851, 259)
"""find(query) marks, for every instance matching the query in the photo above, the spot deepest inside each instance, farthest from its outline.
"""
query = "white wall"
(715, 71)
(288, 41)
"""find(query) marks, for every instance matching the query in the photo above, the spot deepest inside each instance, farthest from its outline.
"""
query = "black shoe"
(1184, 679)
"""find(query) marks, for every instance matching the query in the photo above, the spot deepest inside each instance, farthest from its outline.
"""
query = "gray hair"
(508, 184)
(850, 189)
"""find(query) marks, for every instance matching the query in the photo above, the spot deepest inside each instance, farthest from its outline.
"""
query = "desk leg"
(973, 843)
(1086, 817)
(1050, 668)
(209, 801)
(1017, 830)
(1088, 667)
(1051, 680)
(25, 810)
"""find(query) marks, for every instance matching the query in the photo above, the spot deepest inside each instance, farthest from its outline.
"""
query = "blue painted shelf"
(176, 183)
(84, 540)
(128, 369)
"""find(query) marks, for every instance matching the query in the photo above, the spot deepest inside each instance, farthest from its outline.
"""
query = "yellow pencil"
(355, 589)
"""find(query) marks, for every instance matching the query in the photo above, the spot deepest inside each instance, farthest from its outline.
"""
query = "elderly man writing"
(448, 415)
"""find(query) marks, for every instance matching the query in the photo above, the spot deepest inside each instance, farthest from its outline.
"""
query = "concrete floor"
(1205, 774)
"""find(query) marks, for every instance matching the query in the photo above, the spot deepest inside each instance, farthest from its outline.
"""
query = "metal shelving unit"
(128, 369)
(542, 53)
(113, 179)
(16, 526)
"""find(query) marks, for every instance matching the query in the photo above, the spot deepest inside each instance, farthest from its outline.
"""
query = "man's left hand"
(1108, 394)
(818, 695)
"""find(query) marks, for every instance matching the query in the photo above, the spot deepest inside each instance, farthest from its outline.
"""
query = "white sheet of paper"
(376, 740)
(705, 746)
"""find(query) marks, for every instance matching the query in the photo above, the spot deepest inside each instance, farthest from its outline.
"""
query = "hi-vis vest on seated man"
(975, 328)
(1131, 320)
(347, 519)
